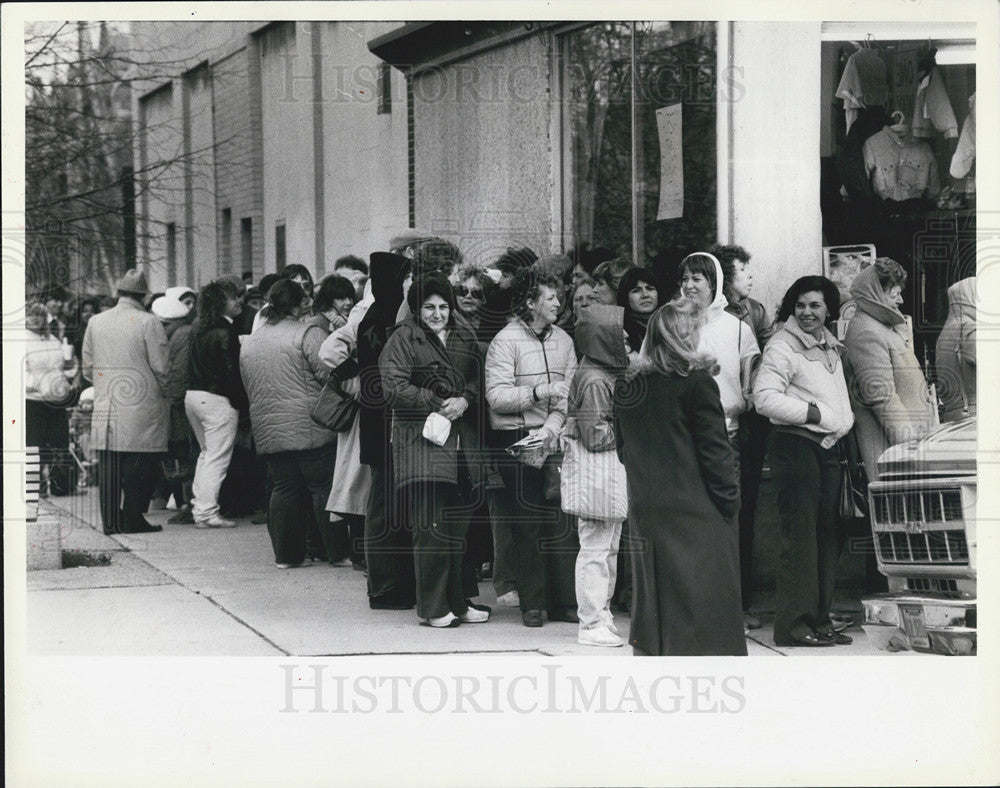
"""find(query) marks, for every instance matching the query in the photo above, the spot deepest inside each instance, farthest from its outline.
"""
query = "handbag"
(853, 479)
(593, 484)
(334, 408)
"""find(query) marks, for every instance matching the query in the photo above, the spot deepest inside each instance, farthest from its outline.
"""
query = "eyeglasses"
(462, 290)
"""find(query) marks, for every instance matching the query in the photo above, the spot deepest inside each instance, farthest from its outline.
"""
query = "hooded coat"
(387, 272)
(734, 346)
(887, 387)
(955, 358)
(600, 342)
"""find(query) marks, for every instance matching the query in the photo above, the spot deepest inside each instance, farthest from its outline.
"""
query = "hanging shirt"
(932, 108)
(863, 84)
(900, 168)
(965, 153)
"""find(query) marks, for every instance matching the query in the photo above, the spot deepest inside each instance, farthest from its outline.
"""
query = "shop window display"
(666, 161)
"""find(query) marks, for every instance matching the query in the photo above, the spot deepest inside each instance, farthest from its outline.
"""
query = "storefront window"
(650, 139)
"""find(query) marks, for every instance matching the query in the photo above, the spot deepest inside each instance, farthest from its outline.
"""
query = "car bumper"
(932, 625)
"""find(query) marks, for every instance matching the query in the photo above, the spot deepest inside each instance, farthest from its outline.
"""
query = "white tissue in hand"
(437, 429)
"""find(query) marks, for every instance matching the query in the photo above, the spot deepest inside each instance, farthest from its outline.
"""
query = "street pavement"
(210, 592)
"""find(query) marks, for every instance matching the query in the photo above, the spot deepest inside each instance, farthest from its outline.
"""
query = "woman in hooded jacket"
(600, 341)
(955, 359)
(888, 390)
(430, 365)
(725, 337)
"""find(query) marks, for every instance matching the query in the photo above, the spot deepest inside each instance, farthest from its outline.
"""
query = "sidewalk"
(205, 592)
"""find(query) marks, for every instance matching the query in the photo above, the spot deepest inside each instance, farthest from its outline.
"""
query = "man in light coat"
(125, 356)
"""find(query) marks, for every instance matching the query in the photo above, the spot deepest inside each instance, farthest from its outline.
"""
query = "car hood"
(948, 451)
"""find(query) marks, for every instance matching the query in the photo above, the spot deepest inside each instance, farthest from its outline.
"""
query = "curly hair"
(610, 272)
(352, 262)
(212, 306)
(808, 284)
(889, 272)
(527, 286)
(435, 256)
(728, 255)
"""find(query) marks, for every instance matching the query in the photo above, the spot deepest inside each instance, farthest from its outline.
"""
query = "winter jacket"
(387, 271)
(600, 341)
(125, 355)
(886, 384)
(754, 314)
(214, 364)
(178, 360)
(284, 376)
(418, 374)
(796, 369)
(955, 359)
(734, 345)
(46, 378)
(516, 362)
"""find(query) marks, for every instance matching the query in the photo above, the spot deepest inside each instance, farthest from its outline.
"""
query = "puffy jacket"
(418, 375)
(283, 376)
(797, 368)
(178, 361)
(517, 361)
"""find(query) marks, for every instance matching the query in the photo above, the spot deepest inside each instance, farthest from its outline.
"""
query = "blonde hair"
(671, 344)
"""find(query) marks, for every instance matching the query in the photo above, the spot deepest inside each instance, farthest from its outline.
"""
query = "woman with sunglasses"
(471, 289)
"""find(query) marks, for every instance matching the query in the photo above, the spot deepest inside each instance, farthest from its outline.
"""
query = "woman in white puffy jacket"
(801, 388)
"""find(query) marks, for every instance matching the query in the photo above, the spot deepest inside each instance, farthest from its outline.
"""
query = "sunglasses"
(462, 290)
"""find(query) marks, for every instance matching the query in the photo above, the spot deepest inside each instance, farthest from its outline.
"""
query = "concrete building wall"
(284, 130)
(161, 187)
(236, 179)
(775, 150)
(287, 108)
(200, 247)
(364, 152)
(483, 173)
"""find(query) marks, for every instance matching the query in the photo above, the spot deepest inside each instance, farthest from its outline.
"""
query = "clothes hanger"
(900, 125)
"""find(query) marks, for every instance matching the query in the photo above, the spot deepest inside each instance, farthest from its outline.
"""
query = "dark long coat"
(683, 498)
(418, 374)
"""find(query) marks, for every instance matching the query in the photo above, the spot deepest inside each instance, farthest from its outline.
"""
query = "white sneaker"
(609, 622)
(473, 616)
(215, 521)
(510, 599)
(599, 636)
(445, 621)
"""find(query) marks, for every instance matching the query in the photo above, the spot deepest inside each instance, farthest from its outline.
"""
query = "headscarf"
(871, 298)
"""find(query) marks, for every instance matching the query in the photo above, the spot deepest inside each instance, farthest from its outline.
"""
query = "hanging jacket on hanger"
(932, 108)
(965, 153)
(863, 84)
(901, 167)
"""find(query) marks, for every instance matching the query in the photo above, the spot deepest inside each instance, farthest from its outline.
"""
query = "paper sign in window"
(668, 124)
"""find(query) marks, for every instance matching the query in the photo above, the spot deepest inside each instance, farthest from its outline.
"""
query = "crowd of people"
(586, 433)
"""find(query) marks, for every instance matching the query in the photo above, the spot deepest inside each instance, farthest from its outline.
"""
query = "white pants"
(596, 570)
(213, 421)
